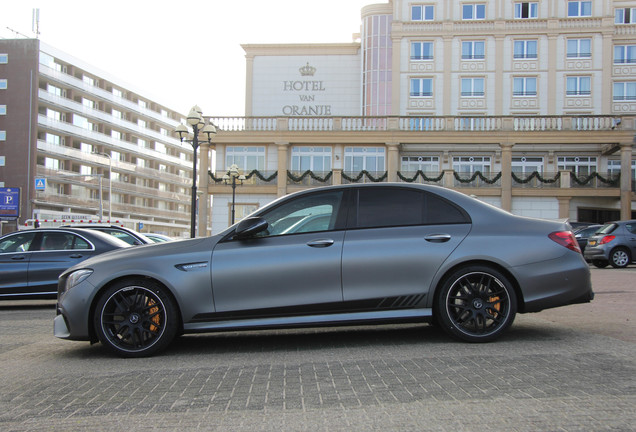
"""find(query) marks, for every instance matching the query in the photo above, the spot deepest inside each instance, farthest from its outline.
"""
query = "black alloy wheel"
(135, 318)
(476, 304)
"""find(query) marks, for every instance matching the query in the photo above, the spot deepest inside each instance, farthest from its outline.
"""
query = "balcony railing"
(581, 123)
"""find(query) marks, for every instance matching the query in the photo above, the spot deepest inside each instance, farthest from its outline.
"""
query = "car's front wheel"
(620, 257)
(476, 304)
(135, 318)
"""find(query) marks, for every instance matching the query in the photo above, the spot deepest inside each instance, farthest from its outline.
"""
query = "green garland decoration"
(247, 177)
(587, 179)
(424, 177)
(356, 179)
(535, 174)
(475, 175)
(298, 179)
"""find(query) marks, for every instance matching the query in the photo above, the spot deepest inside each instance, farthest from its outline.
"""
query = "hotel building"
(528, 105)
(81, 145)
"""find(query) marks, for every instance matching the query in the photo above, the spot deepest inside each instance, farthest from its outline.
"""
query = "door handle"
(76, 256)
(437, 238)
(17, 258)
(320, 243)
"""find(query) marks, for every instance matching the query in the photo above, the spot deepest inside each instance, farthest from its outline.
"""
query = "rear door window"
(392, 207)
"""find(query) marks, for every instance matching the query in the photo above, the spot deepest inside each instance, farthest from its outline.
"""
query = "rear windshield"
(606, 229)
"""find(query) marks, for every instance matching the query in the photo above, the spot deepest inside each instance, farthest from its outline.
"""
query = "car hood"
(146, 253)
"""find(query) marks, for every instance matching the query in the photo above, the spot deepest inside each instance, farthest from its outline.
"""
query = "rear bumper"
(555, 283)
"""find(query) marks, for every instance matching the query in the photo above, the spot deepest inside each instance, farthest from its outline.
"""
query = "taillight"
(565, 238)
(607, 239)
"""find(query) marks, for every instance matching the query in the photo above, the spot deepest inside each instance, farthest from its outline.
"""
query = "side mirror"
(250, 227)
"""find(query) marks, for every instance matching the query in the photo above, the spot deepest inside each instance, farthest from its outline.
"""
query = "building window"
(525, 49)
(54, 90)
(88, 80)
(579, 9)
(52, 164)
(81, 122)
(473, 11)
(473, 50)
(53, 115)
(526, 10)
(578, 86)
(117, 92)
(3, 135)
(624, 54)
(471, 164)
(579, 48)
(4, 58)
(580, 165)
(625, 91)
(247, 158)
(421, 50)
(524, 86)
(370, 159)
(426, 164)
(53, 139)
(472, 87)
(88, 103)
(625, 16)
(422, 13)
(614, 167)
(316, 159)
(86, 148)
(421, 87)
(527, 165)
(116, 135)
(141, 123)
(3, 110)
(2, 163)
(3, 84)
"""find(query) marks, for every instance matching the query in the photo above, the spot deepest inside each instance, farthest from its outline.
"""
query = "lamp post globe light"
(230, 178)
(196, 121)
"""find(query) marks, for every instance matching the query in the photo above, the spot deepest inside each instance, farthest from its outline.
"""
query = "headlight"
(76, 277)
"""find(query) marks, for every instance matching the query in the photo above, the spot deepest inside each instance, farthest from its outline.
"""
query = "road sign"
(40, 184)
(9, 203)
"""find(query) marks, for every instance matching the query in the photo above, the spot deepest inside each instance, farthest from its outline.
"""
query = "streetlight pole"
(110, 184)
(195, 120)
(230, 178)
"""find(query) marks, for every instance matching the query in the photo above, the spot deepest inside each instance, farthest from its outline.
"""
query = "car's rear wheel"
(135, 318)
(620, 257)
(476, 304)
(600, 263)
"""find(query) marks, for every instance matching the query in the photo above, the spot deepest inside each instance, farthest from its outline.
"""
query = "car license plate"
(592, 242)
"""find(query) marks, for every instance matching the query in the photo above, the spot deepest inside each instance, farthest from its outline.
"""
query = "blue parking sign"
(9, 203)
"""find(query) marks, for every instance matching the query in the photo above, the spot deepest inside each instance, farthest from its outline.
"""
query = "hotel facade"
(530, 106)
(83, 146)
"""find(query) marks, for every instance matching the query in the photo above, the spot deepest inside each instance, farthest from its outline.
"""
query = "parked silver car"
(614, 243)
(371, 253)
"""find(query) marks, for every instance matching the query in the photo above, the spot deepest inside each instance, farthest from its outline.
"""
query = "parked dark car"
(371, 253)
(614, 243)
(131, 237)
(583, 233)
(32, 260)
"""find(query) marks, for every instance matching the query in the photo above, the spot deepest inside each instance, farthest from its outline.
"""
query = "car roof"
(88, 234)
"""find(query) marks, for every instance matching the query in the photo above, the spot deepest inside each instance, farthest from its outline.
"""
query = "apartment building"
(84, 146)
(528, 105)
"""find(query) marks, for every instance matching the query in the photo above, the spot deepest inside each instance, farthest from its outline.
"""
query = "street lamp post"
(195, 120)
(230, 178)
(110, 184)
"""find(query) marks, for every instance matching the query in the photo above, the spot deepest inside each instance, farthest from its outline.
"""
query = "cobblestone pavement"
(567, 369)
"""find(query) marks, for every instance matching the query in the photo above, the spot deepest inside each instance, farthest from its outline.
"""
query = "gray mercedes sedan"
(359, 253)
